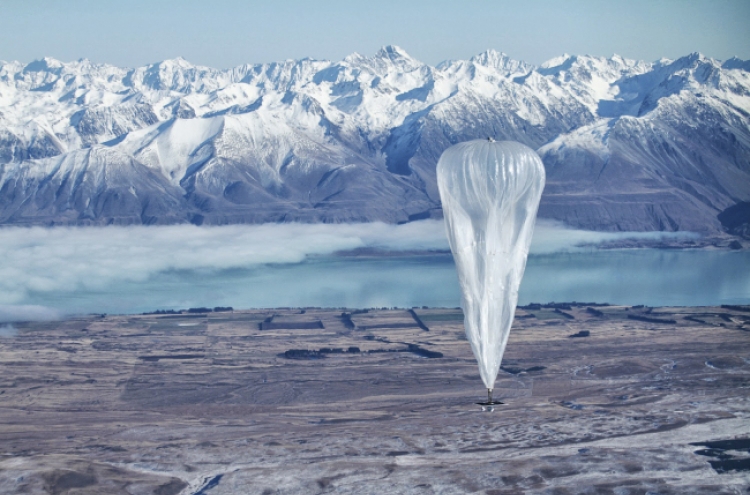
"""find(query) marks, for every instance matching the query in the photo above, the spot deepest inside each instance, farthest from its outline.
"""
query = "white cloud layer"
(554, 237)
(26, 312)
(7, 331)
(60, 260)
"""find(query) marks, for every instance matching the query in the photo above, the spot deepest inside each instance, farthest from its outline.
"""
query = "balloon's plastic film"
(490, 193)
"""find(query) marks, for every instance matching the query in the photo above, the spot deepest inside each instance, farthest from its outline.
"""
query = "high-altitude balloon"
(490, 193)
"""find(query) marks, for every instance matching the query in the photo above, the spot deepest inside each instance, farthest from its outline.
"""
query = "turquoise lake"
(634, 276)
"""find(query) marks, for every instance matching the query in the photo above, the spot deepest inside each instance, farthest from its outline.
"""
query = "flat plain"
(598, 400)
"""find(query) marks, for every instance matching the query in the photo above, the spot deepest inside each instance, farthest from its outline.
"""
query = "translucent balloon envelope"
(490, 193)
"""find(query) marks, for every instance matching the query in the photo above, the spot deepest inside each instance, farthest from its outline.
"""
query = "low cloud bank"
(7, 331)
(553, 237)
(25, 312)
(65, 259)
(39, 260)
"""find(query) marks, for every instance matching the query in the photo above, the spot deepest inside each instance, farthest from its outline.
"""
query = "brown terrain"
(288, 401)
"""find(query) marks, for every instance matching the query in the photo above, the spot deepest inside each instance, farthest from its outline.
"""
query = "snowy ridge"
(628, 145)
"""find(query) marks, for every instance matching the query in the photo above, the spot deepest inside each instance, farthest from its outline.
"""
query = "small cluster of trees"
(217, 309)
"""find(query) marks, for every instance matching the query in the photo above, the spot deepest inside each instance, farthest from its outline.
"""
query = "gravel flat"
(286, 401)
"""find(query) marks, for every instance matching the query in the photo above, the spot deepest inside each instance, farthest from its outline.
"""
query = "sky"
(227, 33)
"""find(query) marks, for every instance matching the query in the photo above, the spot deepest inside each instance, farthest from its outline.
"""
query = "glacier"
(627, 145)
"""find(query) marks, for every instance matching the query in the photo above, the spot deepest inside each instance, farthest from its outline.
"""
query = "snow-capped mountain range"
(628, 145)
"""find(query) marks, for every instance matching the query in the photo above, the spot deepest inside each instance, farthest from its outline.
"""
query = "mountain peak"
(490, 58)
(43, 64)
(354, 58)
(500, 61)
(394, 53)
(556, 61)
(175, 62)
(693, 61)
(693, 58)
(736, 63)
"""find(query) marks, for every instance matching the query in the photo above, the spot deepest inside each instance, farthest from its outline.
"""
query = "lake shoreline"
(522, 311)
(724, 242)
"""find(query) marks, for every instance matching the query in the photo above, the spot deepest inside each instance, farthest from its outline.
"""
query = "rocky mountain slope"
(628, 145)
